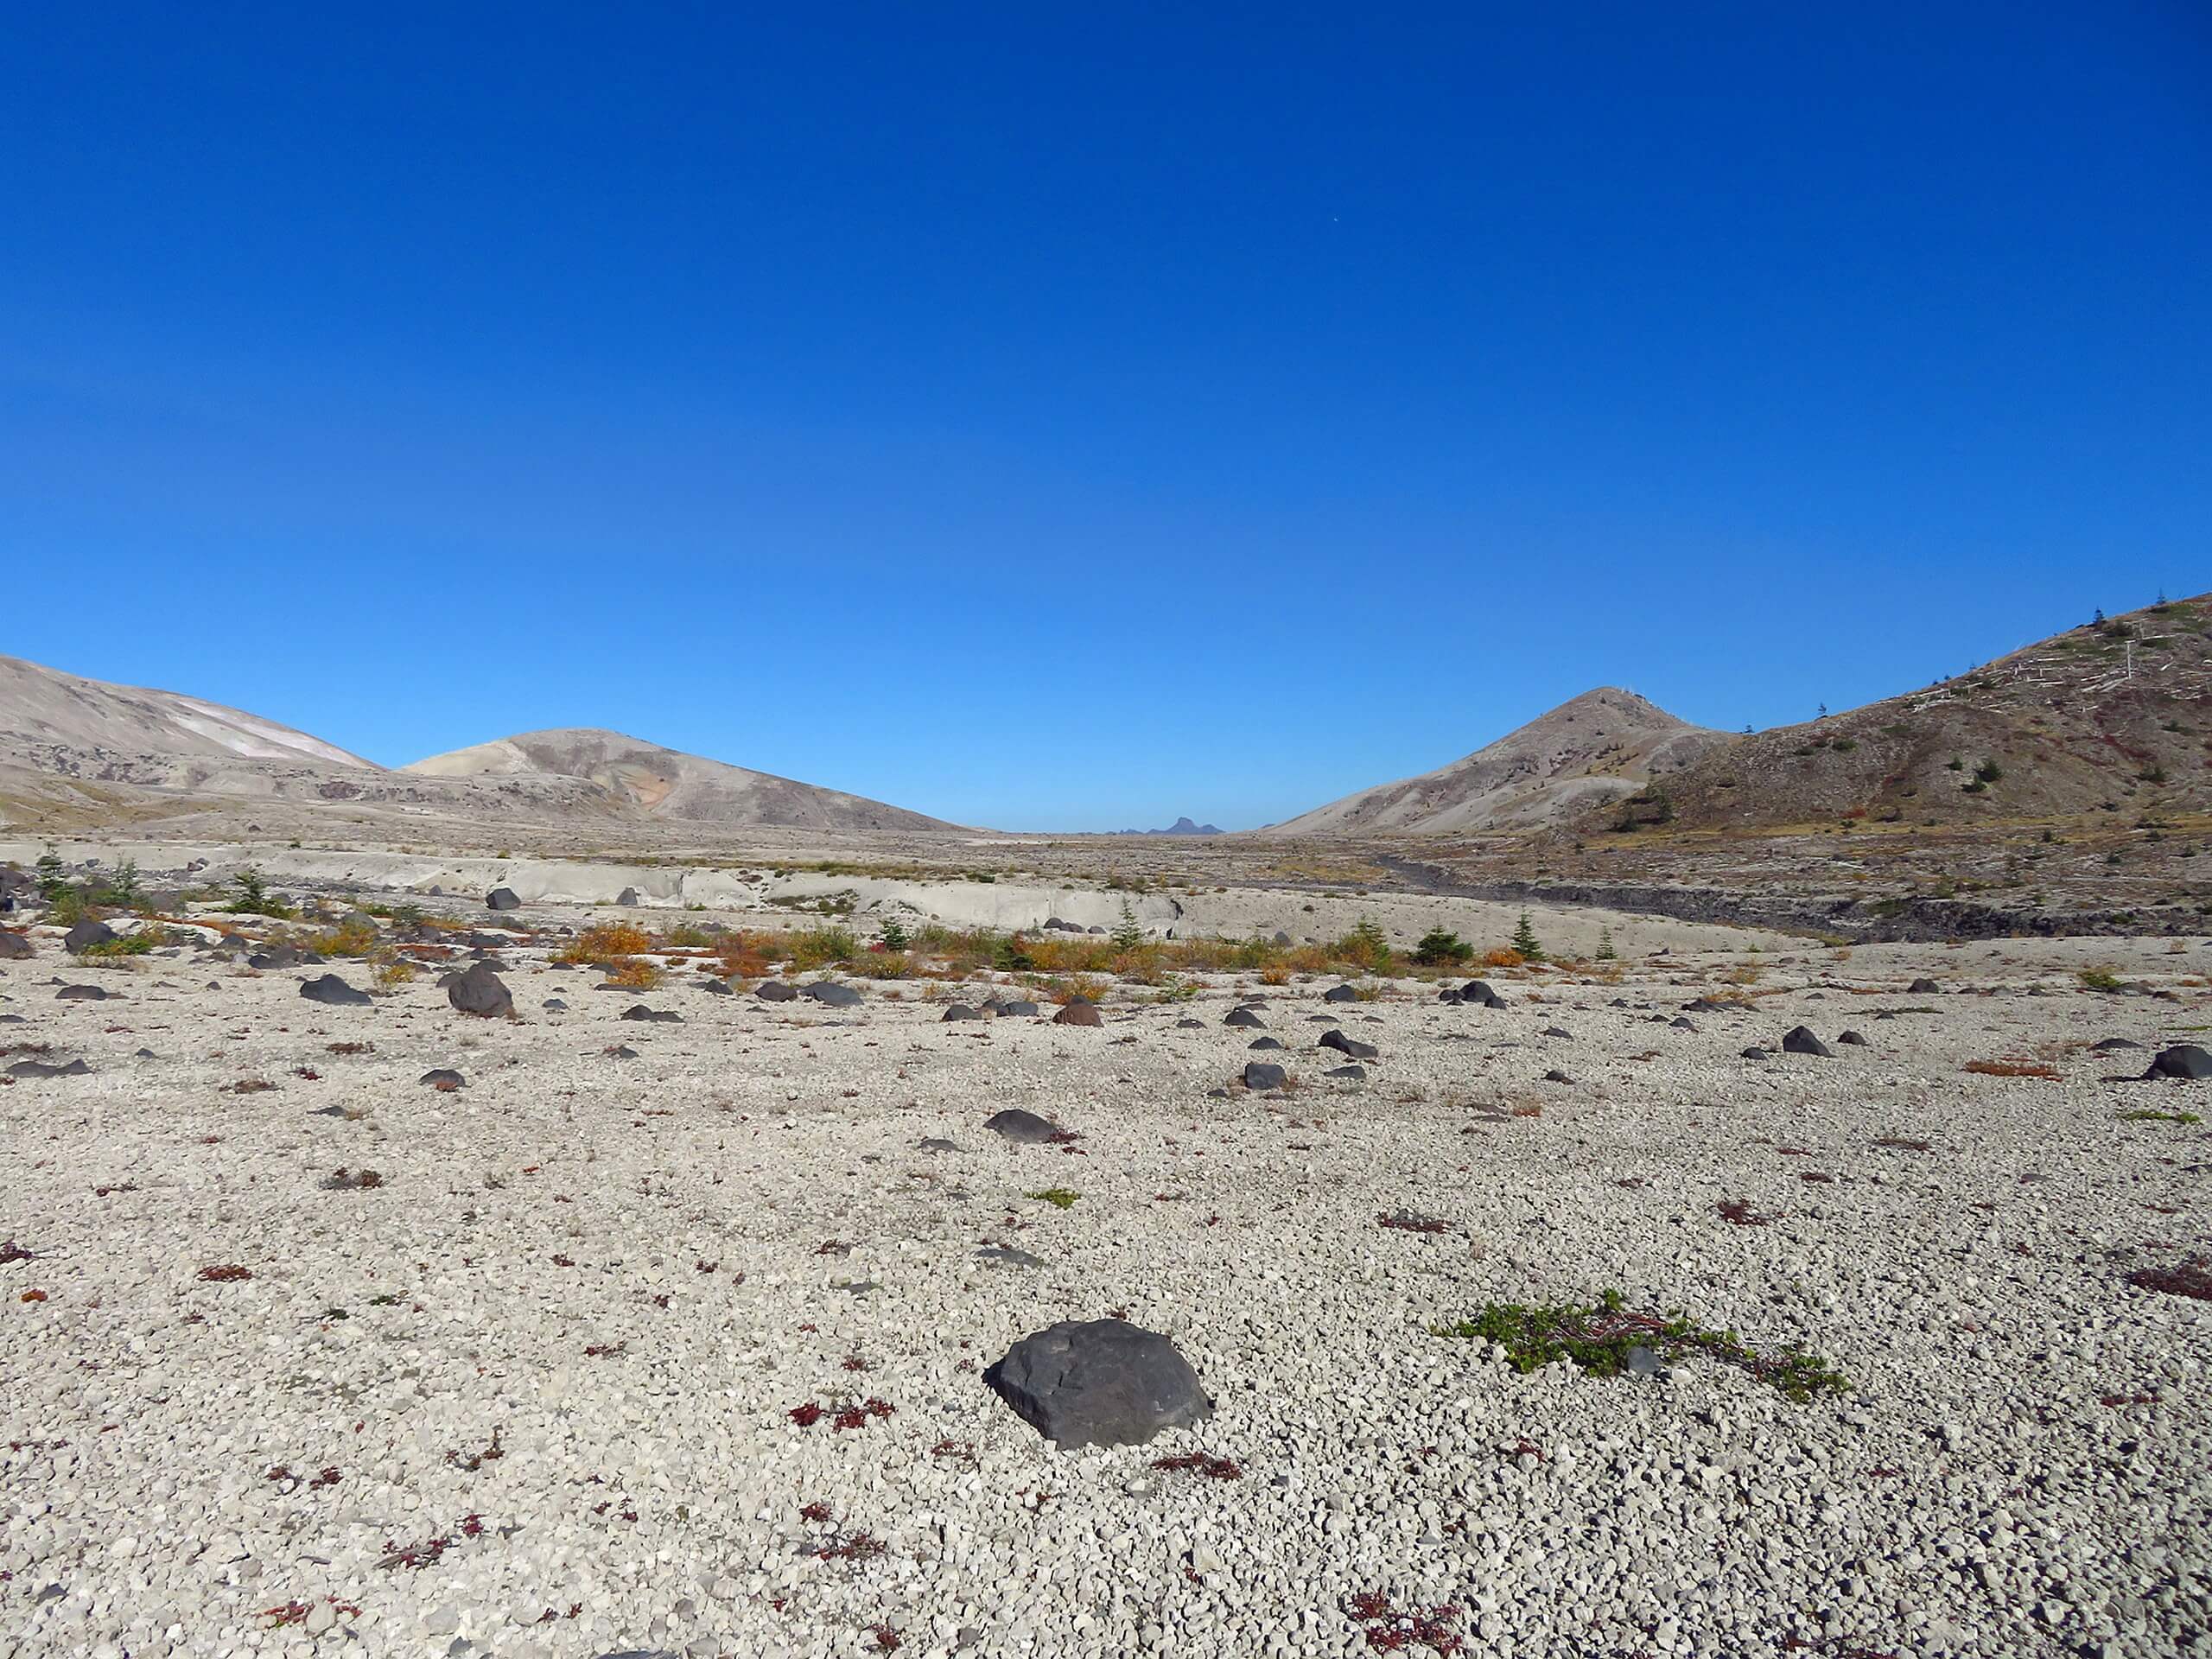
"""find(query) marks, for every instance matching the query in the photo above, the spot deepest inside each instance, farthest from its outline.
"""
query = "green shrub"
(1525, 942)
(1438, 948)
(1598, 1340)
(254, 898)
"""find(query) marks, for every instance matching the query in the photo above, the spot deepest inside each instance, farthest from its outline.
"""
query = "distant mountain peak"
(1182, 826)
(1604, 744)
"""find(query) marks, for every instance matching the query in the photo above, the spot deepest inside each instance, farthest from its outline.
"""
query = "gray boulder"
(480, 991)
(831, 994)
(1243, 1017)
(627, 896)
(2182, 1060)
(1078, 1014)
(502, 898)
(14, 947)
(958, 1011)
(1349, 1047)
(86, 933)
(775, 990)
(84, 994)
(638, 1011)
(444, 1078)
(1340, 994)
(335, 992)
(1263, 1074)
(1098, 1382)
(1801, 1040)
(42, 1069)
(1026, 1129)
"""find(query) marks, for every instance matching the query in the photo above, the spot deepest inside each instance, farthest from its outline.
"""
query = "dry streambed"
(682, 1349)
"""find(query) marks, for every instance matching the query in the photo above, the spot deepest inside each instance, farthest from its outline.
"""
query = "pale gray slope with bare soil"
(1599, 747)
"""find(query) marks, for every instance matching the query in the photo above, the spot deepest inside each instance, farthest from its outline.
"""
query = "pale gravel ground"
(1972, 1293)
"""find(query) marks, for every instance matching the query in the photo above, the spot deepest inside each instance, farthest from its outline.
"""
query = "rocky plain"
(465, 1262)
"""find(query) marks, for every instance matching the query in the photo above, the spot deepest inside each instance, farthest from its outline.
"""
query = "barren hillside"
(1599, 747)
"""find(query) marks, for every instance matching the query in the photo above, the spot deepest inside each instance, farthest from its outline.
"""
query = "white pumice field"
(667, 1337)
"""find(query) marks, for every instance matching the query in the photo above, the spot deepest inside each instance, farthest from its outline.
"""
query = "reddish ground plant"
(2191, 1278)
(1737, 1212)
(490, 1454)
(225, 1272)
(817, 1512)
(1390, 1630)
(296, 1612)
(1407, 1221)
(417, 1557)
(11, 1253)
(1897, 1143)
(885, 1639)
(352, 1048)
(862, 1546)
(2011, 1069)
(605, 1350)
(1201, 1463)
(806, 1416)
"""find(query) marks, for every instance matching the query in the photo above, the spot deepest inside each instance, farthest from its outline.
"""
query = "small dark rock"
(1340, 994)
(1263, 1074)
(1026, 1129)
(831, 994)
(1078, 1014)
(444, 1078)
(334, 991)
(1351, 1048)
(2184, 1060)
(502, 898)
(638, 1011)
(775, 990)
(1801, 1040)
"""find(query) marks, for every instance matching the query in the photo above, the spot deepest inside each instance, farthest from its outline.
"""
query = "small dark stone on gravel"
(1261, 1045)
(84, 994)
(1243, 1017)
(775, 990)
(41, 1069)
(335, 992)
(958, 1011)
(1078, 1014)
(1340, 994)
(1263, 1074)
(832, 994)
(658, 1016)
(502, 898)
(1350, 1046)
(554, 1005)
(444, 1078)
(1801, 1040)
(1853, 1039)
(1347, 1073)
(1026, 1129)
(85, 934)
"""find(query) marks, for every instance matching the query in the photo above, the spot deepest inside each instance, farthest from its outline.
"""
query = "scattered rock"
(1243, 1017)
(335, 992)
(1923, 988)
(1340, 994)
(2113, 1044)
(554, 1005)
(1098, 1382)
(502, 898)
(1078, 1014)
(713, 987)
(1801, 1040)
(1013, 1010)
(831, 993)
(1557, 1076)
(1263, 1074)
(85, 934)
(41, 1069)
(1262, 1044)
(14, 947)
(936, 1143)
(84, 994)
(444, 1077)
(958, 1011)
(628, 896)
(656, 1016)
(480, 991)
(775, 990)
(2184, 1060)
(1853, 1039)
(1351, 1047)
(1477, 990)
(1757, 1053)
(1347, 1073)
(1025, 1128)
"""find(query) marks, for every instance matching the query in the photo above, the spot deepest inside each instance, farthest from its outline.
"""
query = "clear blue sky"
(1068, 418)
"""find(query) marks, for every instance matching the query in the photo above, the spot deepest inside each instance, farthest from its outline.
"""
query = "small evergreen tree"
(1438, 947)
(893, 936)
(122, 887)
(1369, 946)
(1605, 951)
(1525, 942)
(1129, 932)
(51, 881)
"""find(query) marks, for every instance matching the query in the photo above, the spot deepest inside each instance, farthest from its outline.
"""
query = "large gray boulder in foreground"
(1099, 1383)
(481, 991)
(2182, 1060)
(502, 898)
